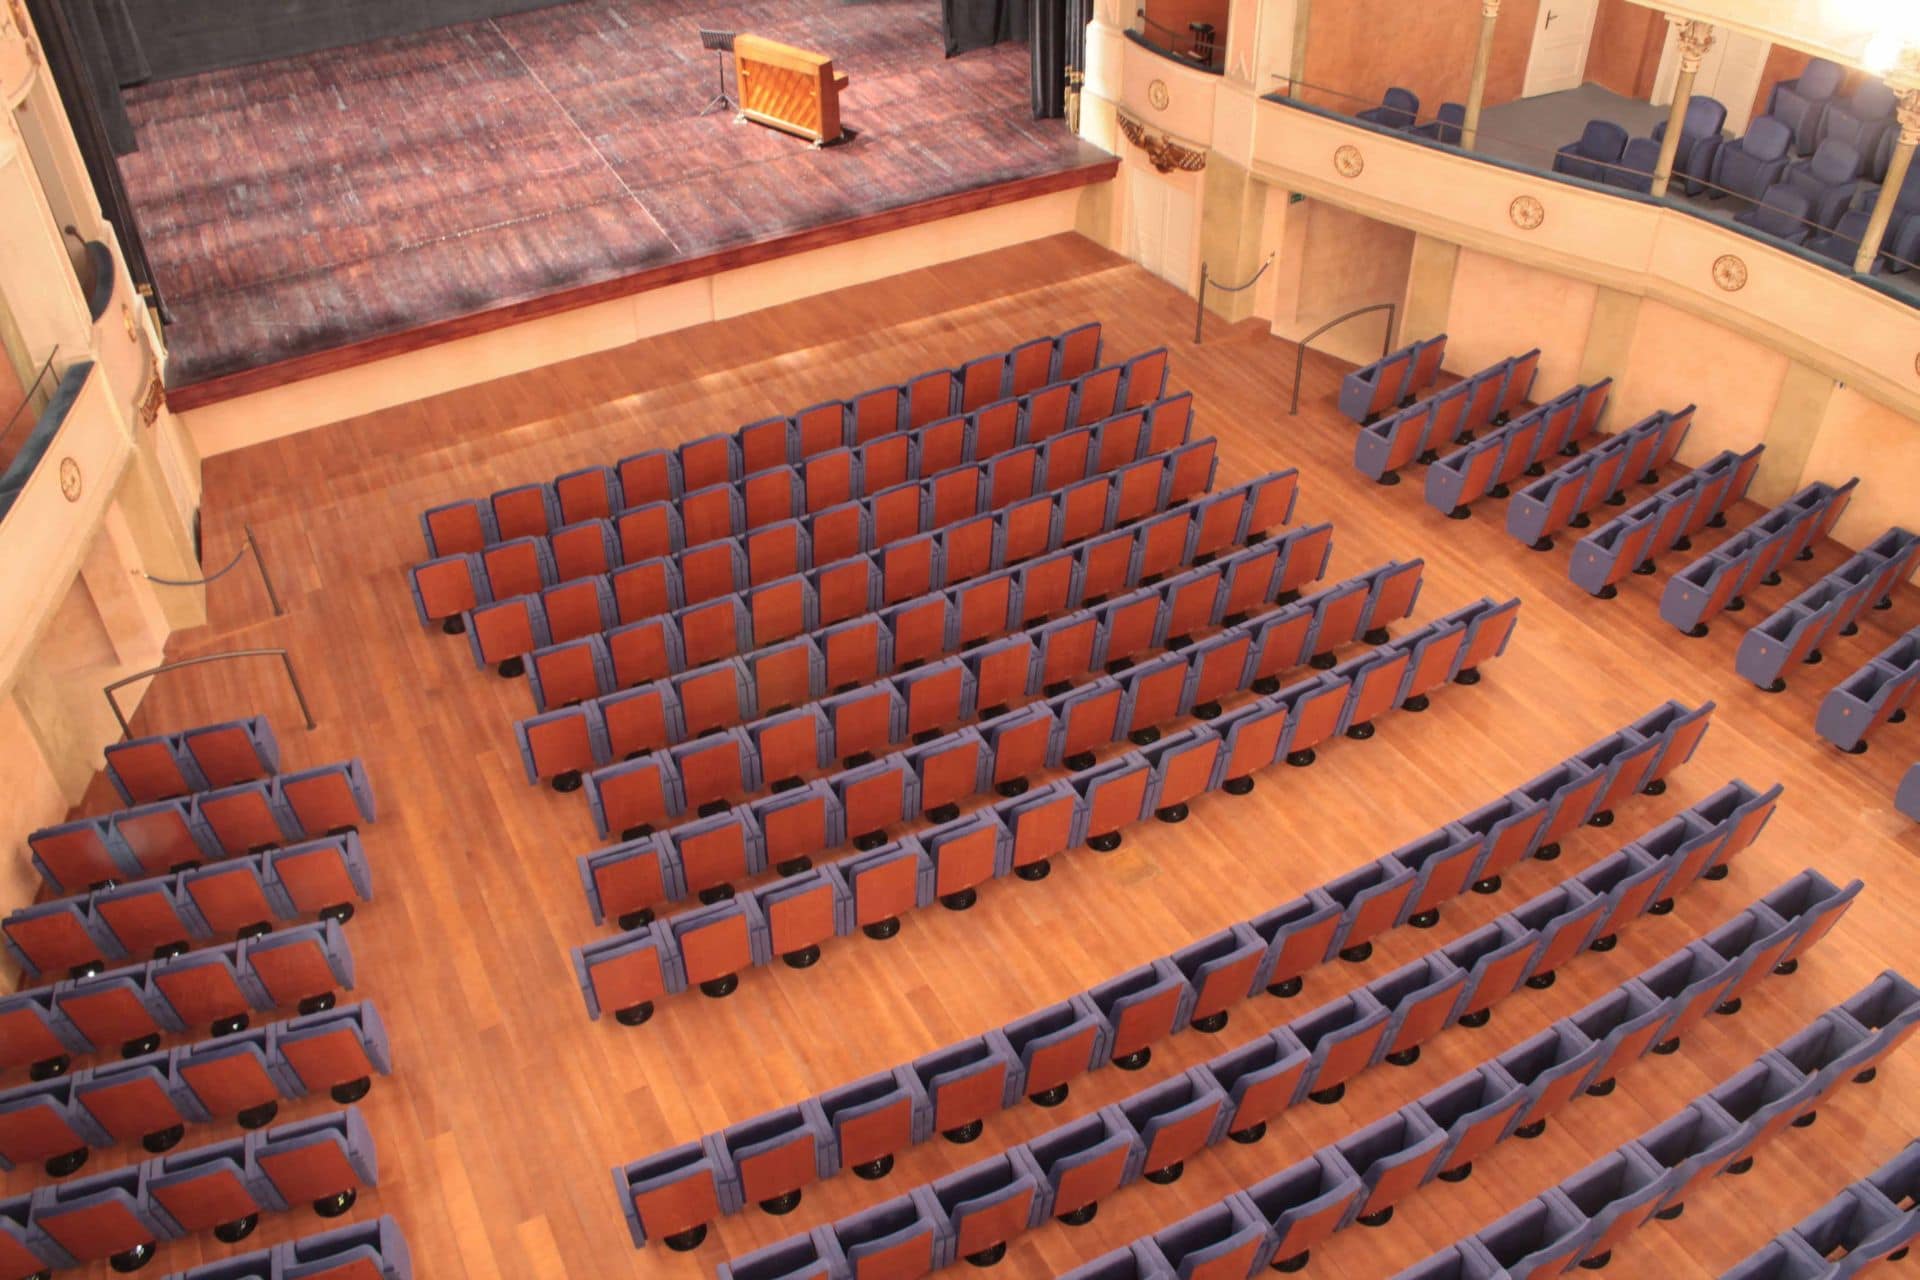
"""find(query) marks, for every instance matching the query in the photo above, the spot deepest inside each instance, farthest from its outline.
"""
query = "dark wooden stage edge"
(246, 382)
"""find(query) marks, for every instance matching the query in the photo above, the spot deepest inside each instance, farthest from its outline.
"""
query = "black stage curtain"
(975, 24)
(1057, 41)
(184, 37)
(95, 58)
(74, 73)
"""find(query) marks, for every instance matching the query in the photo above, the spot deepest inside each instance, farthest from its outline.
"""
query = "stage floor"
(300, 205)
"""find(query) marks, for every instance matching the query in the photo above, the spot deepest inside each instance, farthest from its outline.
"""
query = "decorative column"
(1297, 64)
(1482, 60)
(1908, 114)
(1695, 38)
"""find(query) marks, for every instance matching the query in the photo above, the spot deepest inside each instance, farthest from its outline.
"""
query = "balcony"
(1865, 329)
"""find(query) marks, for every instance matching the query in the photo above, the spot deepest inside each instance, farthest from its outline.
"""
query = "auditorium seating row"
(143, 770)
(1665, 521)
(222, 1188)
(1794, 632)
(1418, 432)
(131, 1008)
(1907, 797)
(661, 475)
(500, 632)
(754, 533)
(364, 1251)
(1489, 465)
(174, 835)
(872, 889)
(869, 1120)
(1361, 1177)
(1585, 1217)
(868, 719)
(845, 666)
(1397, 378)
(1753, 556)
(942, 766)
(243, 895)
(1871, 1220)
(1072, 574)
(1064, 1174)
(1876, 694)
(151, 1099)
(1567, 497)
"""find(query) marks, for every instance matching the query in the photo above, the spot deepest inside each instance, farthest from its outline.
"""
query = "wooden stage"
(507, 1107)
(320, 211)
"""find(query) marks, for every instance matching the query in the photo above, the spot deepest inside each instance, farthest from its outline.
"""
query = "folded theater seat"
(1498, 459)
(1566, 497)
(83, 933)
(1152, 1134)
(1752, 557)
(1793, 633)
(676, 1193)
(1399, 378)
(1098, 477)
(166, 767)
(1590, 1214)
(170, 837)
(661, 474)
(1632, 541)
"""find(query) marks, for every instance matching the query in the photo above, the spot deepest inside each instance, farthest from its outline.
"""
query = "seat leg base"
(1049, 1097)
(881, 930)
(1135, 1060)
(1080, 1217)
(1212, 1024)
(334, 1205)
(1237, 786)
(965, 1133)
(1251, 1134)
(256, 1117)
(1167, 1176)
(351, 1091)
(804, 958)
(1459, 1173)
(237, 1230)
(1039, 869)
(874, 1170)
(634, 1014)
(1106, 842)
(721, 987)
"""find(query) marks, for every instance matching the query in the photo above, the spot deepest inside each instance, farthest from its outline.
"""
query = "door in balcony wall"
(1731, 72)
(1561, 34)
(1163, 223)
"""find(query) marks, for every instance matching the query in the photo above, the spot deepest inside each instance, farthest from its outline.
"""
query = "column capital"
(1695, 38)
(1907, 112)
(1489, 8)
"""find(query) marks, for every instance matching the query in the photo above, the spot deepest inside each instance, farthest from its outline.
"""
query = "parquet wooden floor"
(508, 1107)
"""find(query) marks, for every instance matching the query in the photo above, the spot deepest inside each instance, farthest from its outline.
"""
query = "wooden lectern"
(788, 88)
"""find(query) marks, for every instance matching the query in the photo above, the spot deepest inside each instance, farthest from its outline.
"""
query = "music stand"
(721, 42)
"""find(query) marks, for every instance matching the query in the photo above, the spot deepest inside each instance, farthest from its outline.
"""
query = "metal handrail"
(26, 396)
(1200, 313)
(1300, 363)
(247, 544)
(126, 730)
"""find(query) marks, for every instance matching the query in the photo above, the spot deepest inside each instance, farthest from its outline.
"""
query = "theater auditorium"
(851, 639)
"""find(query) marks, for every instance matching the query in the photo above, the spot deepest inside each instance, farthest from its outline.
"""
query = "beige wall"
(1333, 261)
(1625, 53)
(1680, 359)
(1859, 437)
(1501, 308)
(1356, 49)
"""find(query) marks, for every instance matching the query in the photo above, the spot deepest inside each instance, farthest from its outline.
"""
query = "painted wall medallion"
(1730, 273)
(1527, 213)
(1348, 160)
(70, 479)
(1159, 96)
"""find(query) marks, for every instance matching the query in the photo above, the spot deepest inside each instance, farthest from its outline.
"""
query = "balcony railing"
(40, 439)
(1202, 46)
(1893, 276)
